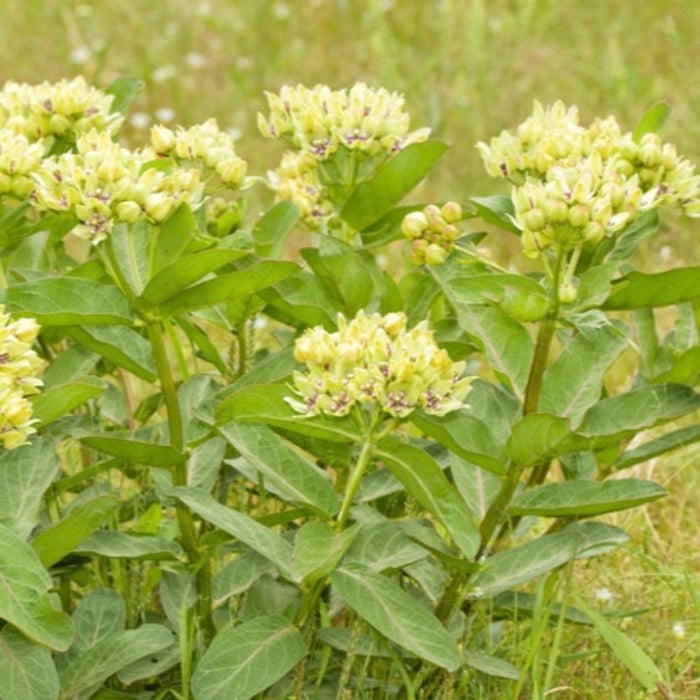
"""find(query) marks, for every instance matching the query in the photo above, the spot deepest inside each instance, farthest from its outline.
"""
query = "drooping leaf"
(68, 301)
(87, 671)
(120, 345)
(396, 615)
(244, 660)
(373, 198)
(123, 545)
(628, 651)
(299, 479)
(585, 498)
(516, 566)
(24, 598)
(490, 665)
(27, 669)
(425, 481)
(238, 575)
(258, 537)
(62, 536)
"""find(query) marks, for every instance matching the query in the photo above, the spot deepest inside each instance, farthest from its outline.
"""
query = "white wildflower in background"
(376, 360)
(678, 630)
(20, 369)
(604, 595)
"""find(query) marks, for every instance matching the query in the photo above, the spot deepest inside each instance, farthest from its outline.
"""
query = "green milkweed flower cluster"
(432, 232)
(51, 111)
(361, 125)
(20, 368)
(574, 185)
(376, 360)
(104, 184)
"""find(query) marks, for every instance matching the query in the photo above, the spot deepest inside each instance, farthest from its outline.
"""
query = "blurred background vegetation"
(468, 69)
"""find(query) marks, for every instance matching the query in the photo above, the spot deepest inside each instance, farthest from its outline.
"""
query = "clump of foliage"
(249, 475)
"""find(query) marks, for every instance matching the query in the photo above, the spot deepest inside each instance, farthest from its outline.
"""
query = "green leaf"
(60, 538)
(516, 566)
(122, 545)
(317, 549)
(175, 237)
(241, 283)
(585, 498)
(299, 479)
(265, 403)
(27, 669)
(538, 437)
(490, 665)
(25, 474)
(24, 600)
(631, 655)
(666, 443)
(465, 435)
(640, 408)
(575, 381)
(137, 451)
(652, 121)
(424, 480)
(238, 575)
(383, 545)
(64, 398)
(272, 228)
(68, 301)
(626, 243)
(256, 536)
(120, 345)
(183, 272)
(373, 198)
(124, 90)
(244, 660)
(99, 614)
(685, 369)
(639, 290)
(396, 615)
(87, 671)
(477, 486)
(73, 363)
(497, 210)
(131, 248)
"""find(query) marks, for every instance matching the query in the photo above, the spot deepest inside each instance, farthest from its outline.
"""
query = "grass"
(468, 68)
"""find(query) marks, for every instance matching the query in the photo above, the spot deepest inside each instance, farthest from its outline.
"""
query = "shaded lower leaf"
(396, 615)
(122, 545)
(61, 399)
(490, 665)
(91, 668)
(24, 598)
(516, 566)
(137, 451)
(244, 660)
(26, 669)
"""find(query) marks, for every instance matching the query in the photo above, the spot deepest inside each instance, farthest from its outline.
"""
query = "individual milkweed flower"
(376, 360)
(20, 370)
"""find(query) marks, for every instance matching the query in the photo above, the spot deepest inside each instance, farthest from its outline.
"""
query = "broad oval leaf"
(27, 669)
(68, 301)
(639, 290)
(396, 615)
(24, 598)
(244, 660)
(584, 498)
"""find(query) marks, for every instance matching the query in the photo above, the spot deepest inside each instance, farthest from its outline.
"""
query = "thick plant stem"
(188, 532)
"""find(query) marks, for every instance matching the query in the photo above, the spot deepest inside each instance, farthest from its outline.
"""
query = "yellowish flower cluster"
(62, 110)
(361, 127)
(574, 185)
(104, 184)
(203, 146)
(375, 360)
(19, 159)
(20, 368)
(432, 232)
(318, 119)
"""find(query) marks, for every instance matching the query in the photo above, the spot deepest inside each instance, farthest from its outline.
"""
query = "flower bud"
(128, 212)
(435, 254)
(534, 219)
(451, 212)
(162, 138)
(158, 205)
(414, 224)
(579, 215)
(567, 292)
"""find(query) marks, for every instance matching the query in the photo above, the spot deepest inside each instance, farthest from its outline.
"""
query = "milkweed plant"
(237, 468)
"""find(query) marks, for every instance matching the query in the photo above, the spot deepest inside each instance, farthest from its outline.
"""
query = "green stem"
(188, 532)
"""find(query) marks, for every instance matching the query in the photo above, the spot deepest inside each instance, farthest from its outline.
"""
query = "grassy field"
(468, 69)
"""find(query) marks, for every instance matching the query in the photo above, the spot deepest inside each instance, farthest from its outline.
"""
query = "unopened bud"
(451, 212)
(414, 224)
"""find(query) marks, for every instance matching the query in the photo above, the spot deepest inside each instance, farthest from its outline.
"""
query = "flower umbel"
(20, 368)
(375, 359)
